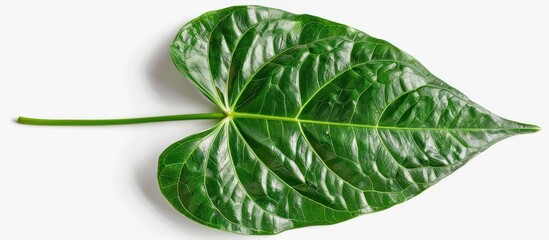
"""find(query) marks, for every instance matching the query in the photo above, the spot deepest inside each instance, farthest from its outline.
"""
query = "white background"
(108, 59)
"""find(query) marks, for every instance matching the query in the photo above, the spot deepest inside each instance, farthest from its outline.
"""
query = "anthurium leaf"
(324, 123)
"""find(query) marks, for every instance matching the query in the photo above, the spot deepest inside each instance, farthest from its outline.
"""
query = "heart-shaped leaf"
(324, 123)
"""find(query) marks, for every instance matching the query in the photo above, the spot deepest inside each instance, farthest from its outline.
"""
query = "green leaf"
(324, 123)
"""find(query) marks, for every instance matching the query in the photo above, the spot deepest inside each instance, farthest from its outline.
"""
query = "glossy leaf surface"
(324, 123)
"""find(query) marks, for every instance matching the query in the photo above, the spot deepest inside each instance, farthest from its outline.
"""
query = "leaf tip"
(529, 128)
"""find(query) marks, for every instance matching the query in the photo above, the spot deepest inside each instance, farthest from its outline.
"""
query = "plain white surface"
(107, 59)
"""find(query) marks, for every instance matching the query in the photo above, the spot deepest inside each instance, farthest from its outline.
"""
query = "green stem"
(92, 122)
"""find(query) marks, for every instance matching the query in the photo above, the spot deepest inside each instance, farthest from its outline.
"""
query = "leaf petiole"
(95, 122)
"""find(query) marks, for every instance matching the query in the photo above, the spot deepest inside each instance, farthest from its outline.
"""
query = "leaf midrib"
(298, 120)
